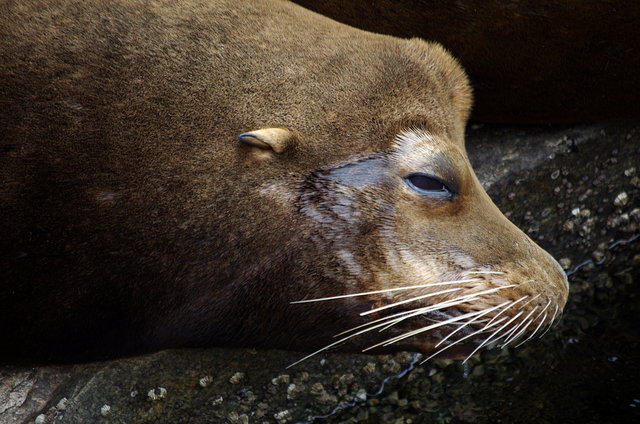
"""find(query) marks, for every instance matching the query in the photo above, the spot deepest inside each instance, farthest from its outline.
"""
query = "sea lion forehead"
(414, 146)
(453, 86)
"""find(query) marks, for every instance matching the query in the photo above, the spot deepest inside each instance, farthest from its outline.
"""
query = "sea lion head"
(413, 253)
(426, 254)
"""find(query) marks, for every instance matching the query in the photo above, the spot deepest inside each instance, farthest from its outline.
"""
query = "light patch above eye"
(412, 139)
(429, 185)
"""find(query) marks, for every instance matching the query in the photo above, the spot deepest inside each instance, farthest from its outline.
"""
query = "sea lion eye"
(428, 185)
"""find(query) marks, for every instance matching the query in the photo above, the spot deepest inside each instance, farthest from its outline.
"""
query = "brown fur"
(133, 220)
(529, 61)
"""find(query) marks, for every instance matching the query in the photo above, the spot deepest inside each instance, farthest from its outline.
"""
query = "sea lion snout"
(504, 248)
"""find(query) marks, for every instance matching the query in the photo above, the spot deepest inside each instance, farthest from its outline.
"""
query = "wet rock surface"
(574, 189)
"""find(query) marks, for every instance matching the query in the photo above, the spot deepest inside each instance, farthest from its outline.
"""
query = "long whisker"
(513, 334)
(397, 317)
(410, 313)
(494, 334)
(437, 306)
(539, 325)
(400, 316)
(485, 272)
(419, 286)
(463, 338)
(365, 331)
(486, 311)
(550, 322)
(422, 329)
(508, 307)
(515, 328)
(530, 300)
(463, 297)
(555, 314)
(542, 321)
(413, 299)
(337, 343)
(391, 305)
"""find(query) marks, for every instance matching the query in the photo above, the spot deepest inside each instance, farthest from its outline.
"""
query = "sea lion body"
(530, 61)
(133, 219)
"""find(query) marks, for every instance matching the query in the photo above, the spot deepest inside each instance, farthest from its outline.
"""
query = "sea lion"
(178, 174)
(529, 61)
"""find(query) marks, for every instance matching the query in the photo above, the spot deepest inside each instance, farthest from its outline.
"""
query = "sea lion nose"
(509, 250)
(537, 274)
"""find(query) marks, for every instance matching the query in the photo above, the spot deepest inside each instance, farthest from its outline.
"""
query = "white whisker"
(508, 307)
(485, 272)
(546, 330)
(463, 338)
(550, 322)
(486, 311)
(410, 313)
(534, 332)
(530, 300)
(511, 330)
(493, 290)
(329, 346)
(514, 336)
(432, 308)
(400, 316)
(447, 303)
(539, 325)
(422, 330)
(555, 314)
(495, 333)
(419, 286)
(413, 299)
(422, 310)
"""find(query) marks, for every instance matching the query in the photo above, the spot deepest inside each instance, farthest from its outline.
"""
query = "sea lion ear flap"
(276, 139)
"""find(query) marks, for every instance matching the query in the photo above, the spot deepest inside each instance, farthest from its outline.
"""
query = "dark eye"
(428, 185)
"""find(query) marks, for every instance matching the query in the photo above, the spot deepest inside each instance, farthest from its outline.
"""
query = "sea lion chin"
(173, 177)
